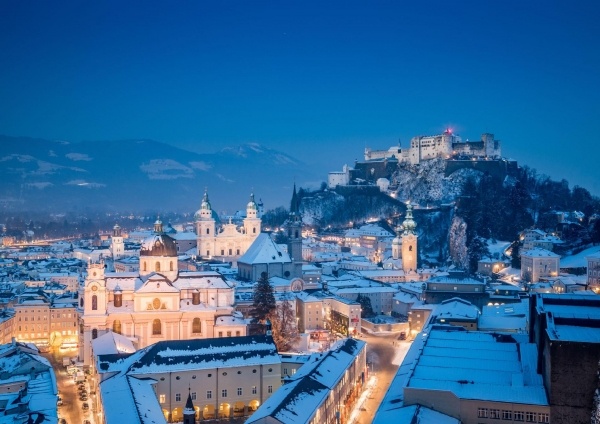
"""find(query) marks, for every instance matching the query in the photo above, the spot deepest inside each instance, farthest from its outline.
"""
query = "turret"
(409, 242)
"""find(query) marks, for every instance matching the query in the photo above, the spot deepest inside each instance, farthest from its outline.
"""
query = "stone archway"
(208, 412)
(253, 406)
(224, 410)
(239, 409)
(177, 414)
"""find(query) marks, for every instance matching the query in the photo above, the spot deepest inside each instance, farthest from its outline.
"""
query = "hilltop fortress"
(484, 155)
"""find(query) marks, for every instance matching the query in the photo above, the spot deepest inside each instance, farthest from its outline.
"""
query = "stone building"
(157, 303)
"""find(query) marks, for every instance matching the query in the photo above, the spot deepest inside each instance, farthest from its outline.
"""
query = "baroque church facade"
(227, 241)
(157, 303)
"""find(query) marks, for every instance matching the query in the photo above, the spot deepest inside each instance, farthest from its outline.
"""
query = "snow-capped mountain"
(142, 175)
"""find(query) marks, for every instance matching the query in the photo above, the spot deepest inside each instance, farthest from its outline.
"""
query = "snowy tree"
(284, 326)
(457, 242)
(264, 299)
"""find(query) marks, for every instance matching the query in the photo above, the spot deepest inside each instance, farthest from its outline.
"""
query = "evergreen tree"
(264, 299)
(477, 249)
(366, 310)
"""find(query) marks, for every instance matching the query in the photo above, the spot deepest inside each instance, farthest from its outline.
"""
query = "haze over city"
(315, 80)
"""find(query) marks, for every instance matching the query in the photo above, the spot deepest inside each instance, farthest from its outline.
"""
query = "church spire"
(294, 204)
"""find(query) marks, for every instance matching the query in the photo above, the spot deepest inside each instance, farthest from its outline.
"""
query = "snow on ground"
(358, 406)
(497, 247)
(578, 260)
(401, 349)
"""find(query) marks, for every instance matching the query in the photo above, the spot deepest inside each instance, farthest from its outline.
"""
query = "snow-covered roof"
(457, 308)
(182, 355)
(127, 399)
(264, 250)
(111, 343)
(414, 414)
(459, 362)
(297, 401)
(539, 253)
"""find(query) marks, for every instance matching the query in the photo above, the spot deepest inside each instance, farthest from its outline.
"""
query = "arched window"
(94, 333)
(208, 231)
(157, 266)
(296, 236)
(171, 266)
(117, 326)
(196, 326)
(144, 266)
(81, 302)
(410, 248)
(94, 303)
(253, 230)
(156, 327)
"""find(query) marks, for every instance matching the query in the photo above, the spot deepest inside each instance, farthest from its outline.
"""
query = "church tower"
(93, 298)
(294, 234)
(252, 221)
(205, 228)
(409, 242)
(117, 247)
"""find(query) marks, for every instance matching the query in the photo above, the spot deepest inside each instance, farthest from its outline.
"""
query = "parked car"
(85, 406)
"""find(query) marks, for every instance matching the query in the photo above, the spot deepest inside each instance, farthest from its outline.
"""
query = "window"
(209, 394)
(530, 417)
(519, 416)
(208, 231)
(193, 395)
(94, 304)
(269, 389)
(224, 393)
(482, 412)
(238, 333)
(220, 334)
(177, 397)
(196, 326)
(117, 326)
(543, 418)
(145, 267)
(222, 252)
(507, 415)
(171, 266)
(495, 413)
(94, 334)
(285, 371)
(253, 390)
(229, 334)
(239, 391)
(162, 398)
(156, 327)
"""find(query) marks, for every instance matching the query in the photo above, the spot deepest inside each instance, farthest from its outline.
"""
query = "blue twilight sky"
(318, 80)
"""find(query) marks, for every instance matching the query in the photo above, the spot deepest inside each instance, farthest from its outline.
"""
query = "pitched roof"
(264, 250)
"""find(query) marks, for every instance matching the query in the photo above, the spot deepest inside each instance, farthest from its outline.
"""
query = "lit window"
(162, 398)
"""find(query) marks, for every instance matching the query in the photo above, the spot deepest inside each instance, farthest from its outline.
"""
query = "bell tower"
(252, 222)
(397, 244)
(117, 247)
(409, 242)
(293, 228)
(205, 228)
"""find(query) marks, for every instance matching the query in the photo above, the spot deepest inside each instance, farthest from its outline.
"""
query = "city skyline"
(317, 81)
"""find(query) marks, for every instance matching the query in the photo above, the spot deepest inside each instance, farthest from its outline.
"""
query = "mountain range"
(143, 175)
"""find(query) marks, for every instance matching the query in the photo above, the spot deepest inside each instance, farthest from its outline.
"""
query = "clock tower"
(409, 242)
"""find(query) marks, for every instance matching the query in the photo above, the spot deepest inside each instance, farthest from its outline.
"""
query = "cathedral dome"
(158, 244)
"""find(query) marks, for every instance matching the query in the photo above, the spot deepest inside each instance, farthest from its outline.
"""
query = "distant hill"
(141, 175)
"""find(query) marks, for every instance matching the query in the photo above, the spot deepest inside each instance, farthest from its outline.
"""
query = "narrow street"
(384, 355)
(71, 409)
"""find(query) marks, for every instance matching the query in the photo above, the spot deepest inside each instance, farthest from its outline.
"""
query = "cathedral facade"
(157, 303)
(227, 241)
